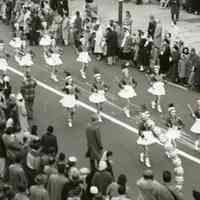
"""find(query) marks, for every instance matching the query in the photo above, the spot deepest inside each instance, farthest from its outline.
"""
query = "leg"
(83, 70)
(99, 108)
(127, 109)
(158, 104)
(146, 155)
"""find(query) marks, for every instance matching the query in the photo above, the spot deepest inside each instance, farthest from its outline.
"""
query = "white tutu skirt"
(173, 134)
(45, 41)
(3, 64)
(127, 92)
(68, 101)
(84, 57)
(97, 97)
(196, 127)
(15, 42)
(148, 139)
(25, 60)
(157, 89)
(53, 60)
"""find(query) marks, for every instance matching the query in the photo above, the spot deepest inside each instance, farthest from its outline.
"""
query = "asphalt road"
(116, 138)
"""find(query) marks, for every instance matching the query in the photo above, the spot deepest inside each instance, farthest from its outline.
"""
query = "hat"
(72, 159)
(186, 50)
(102, 165)
(19, 97)
(67, 75)
(148, 174)
(40, 179)
(84, 171)
(171, 107)
(6, 78)
(156, 67)
(97, 74)
(9, 123)
(94, 190)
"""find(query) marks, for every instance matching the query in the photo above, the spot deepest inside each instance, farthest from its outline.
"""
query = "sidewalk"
(189, 24)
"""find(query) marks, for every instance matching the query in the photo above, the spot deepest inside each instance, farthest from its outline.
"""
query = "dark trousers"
(174, 13)
(29, 107)
(93, 164)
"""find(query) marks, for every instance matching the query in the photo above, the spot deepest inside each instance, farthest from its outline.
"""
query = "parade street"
(119, 134)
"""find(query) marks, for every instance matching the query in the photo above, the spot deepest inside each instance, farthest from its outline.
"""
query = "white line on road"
(108, 117)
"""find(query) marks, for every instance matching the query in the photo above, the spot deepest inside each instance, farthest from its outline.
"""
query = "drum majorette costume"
(69, 101)
(127, 91)
(174, 124)
(24, 56)
(52, 57)
(99, 88)
(3, 58)
(45, 40)
(84, 57)
(146, 137)
(196, 126)
(157, 87)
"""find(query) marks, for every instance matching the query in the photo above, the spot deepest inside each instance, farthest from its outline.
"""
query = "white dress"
(68, 101)
(127, 92)
(45, 40)
(3, 64)
(25, 60)
(173, 133)
(97, 97)
(53, 60)
(196, 126)
(84, 57)
(148, 139)
(157, 88)
(16, 42)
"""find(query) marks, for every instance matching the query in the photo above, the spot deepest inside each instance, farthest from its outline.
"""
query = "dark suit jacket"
(94, 143)
(48, 141)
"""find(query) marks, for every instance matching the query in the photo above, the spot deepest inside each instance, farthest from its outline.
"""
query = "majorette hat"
(186, 50)
(144, 110)
(156, 67)
(124, 66)
(97, 74)
(171, 107)
(67, 76)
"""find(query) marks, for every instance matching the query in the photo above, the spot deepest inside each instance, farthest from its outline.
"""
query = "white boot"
(70, 123)
(141, 157)
(196, 145)
(141, 68)
(99, 118)
(83, 75)
(159, 109)
(153, 104)
(147, 162)
(127, 112)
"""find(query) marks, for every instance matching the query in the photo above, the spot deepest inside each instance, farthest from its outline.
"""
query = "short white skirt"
(173, 134)
(45, 40)
(3, 64)
(68, 101)
(148, 139)
(157, 88)
(53, 60)
(15, 42)
(25, 60)
(97, 97)
(127, 92)
(84, 57)
(196, 127)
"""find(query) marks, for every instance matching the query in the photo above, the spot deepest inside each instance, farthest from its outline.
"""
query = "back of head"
(148, 174)
(167, 176)
(122, 179)
(50, 129)
(61, 168)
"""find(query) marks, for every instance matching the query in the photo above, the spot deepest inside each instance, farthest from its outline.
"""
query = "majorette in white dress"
(24, 60)
(69, 99)
(196, 126)
(16, 42)
(146, 137)
(98, 91)
(127, 91)
(84, 57)
(158, 86)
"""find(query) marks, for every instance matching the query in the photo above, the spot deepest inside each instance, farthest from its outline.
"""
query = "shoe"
(83, 75)
(100, 118)
(196, 145)
(141, 69)
(54, 78)
(159, 109)
(141, 157)
(147, 162)
(153, 104)
(70, 124)
(127, 112)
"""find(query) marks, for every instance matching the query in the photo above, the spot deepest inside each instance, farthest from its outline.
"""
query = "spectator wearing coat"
(49, 140)
(102, 178)
(151, 27)
(94, 143)
(175, 9)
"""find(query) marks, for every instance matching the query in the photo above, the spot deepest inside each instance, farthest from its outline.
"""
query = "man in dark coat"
(94, 144)
(49, 140)
(151, 27)
(175, 9)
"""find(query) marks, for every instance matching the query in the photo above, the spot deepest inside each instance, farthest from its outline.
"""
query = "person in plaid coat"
(28, 92)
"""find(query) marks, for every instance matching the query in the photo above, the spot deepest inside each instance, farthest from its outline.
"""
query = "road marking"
(108, 117)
